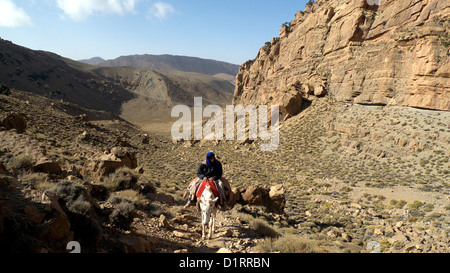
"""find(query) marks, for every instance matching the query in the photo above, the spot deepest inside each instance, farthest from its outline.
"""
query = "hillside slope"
(48, 74)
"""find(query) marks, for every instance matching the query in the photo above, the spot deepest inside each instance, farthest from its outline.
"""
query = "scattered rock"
(164, 223)
(224, 250)
(272, 198)
(135, 244)
(277, 199)
(104, 165)
(162, 197)
(180, 234)
(48, 166)
(57, 230)
(14, 121)
(227, 233)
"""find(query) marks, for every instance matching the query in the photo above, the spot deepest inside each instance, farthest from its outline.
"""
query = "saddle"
(202, 187)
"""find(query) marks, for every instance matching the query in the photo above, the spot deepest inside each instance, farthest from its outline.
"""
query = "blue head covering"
(208, 155)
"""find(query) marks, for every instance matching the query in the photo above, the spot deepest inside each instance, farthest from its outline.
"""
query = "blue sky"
(227, 30)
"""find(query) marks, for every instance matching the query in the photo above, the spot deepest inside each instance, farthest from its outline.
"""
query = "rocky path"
(181, 232)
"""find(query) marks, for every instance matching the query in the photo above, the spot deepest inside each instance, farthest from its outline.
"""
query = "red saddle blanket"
(202, 187)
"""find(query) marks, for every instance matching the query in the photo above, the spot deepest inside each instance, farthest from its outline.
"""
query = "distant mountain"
(165, 63)
(45, 73)
(93, 61)
(137, 94)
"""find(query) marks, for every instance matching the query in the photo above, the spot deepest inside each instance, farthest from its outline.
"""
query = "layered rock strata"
(394, 53)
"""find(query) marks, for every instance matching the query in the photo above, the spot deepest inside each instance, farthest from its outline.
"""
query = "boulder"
(236, 197)
(97, 191)
(163, 222)
(47, 166)
(127, 157)
(14, 121)
(272, 198)
(277, 199)
(57, 230)
(97, 169)
(289, 102)
(100, 167)
(255, 195)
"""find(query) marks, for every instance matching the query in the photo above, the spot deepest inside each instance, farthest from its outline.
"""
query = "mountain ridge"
(92, 61)
(101, 87)
(168, 62)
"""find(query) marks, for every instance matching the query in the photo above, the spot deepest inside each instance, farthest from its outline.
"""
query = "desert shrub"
(21, 162)
(145, 186)
(262, 228)
(70, 193)
(124, 211)
(415, 205)
(74, 200)
(37, 181)
(121, 179)
(130, 195)
(289, 244)
(397, 204)
(80, 206)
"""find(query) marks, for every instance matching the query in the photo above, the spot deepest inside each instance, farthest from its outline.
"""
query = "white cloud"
(80, 10)
(160, 10)
(13, 16)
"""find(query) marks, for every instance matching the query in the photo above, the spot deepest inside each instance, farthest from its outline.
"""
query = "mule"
(207, 202)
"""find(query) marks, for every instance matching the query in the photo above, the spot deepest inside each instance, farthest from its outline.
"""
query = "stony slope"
(393, 54)
(53, 185)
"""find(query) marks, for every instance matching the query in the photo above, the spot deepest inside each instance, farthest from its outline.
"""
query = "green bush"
(415, 205)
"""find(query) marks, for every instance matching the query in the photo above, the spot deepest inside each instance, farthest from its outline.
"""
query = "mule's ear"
(215, 199)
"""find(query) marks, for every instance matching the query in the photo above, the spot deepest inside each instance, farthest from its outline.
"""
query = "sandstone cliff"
(395, 53)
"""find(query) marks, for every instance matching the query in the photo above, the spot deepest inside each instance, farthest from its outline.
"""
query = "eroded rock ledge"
(396, 53)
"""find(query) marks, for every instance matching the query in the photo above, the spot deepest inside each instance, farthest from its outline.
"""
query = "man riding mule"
(210, 170)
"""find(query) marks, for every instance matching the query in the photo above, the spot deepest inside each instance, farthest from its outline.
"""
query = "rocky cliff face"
(394, 53)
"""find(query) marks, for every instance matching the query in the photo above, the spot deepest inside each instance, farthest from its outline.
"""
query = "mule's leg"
(211, 226)
(212, 223)
(213, 220)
